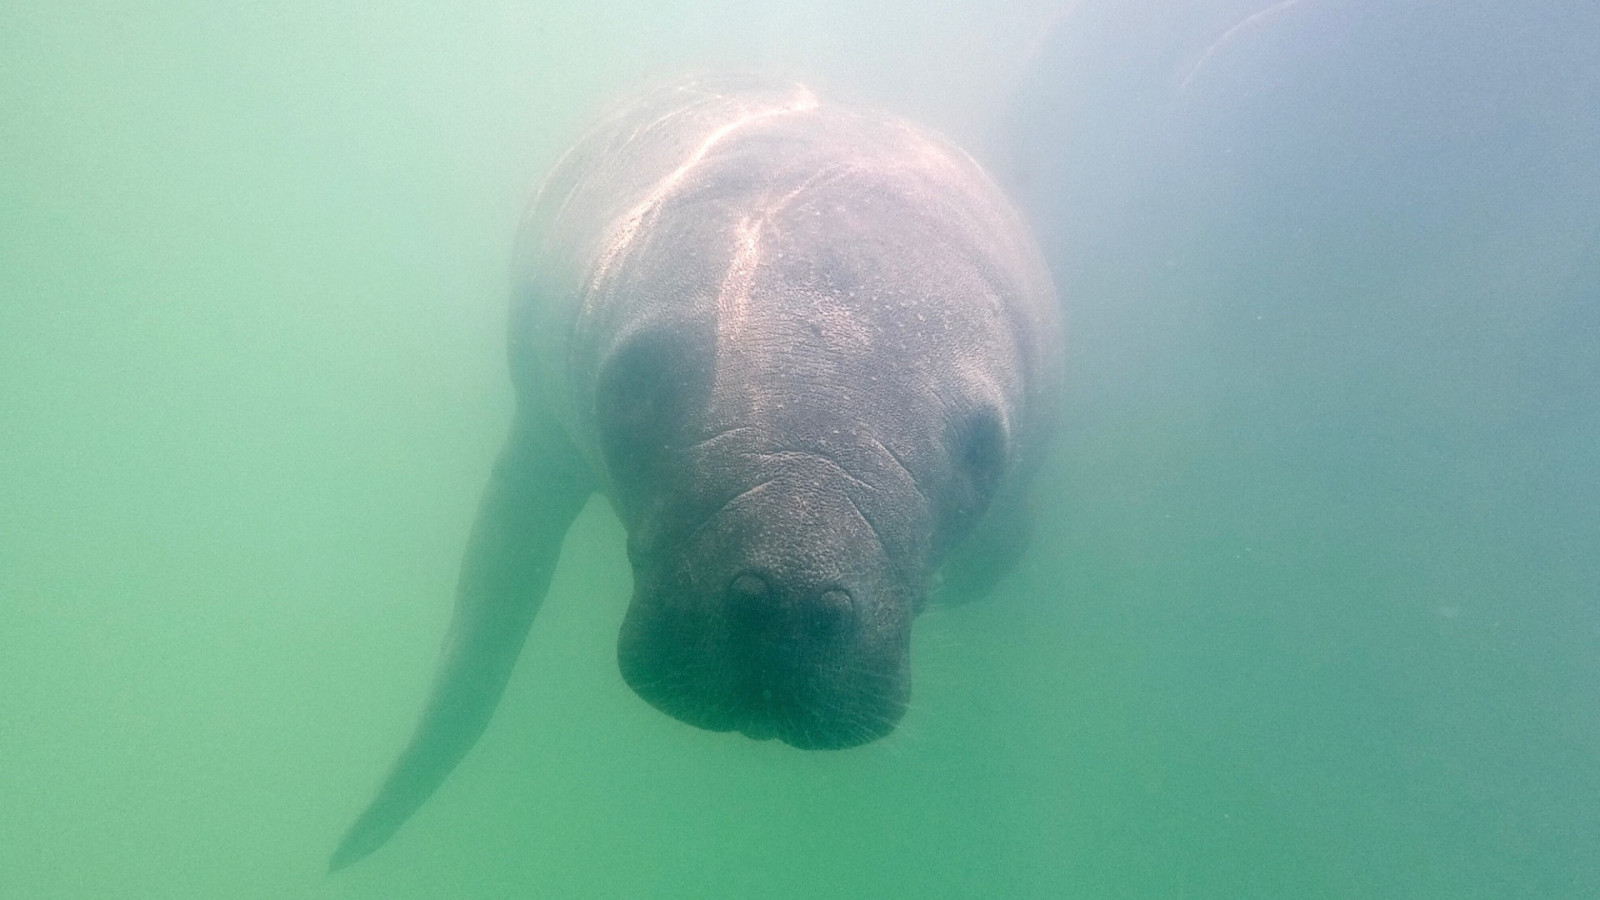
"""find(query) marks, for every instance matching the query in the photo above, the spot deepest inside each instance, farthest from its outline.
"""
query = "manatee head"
(787, 498)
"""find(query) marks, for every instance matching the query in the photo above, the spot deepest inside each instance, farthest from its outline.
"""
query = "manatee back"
(642, 219)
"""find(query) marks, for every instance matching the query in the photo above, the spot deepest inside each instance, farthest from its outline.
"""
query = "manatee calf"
(805, 351)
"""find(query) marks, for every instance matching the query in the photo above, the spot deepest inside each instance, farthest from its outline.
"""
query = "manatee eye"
(981, 450)
(643, 396)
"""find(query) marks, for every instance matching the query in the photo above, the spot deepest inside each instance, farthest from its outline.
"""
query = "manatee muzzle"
(780, 617)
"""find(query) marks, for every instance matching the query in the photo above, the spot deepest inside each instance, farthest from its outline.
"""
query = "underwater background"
(1312, 611)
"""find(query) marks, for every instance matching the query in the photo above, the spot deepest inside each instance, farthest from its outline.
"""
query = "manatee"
(810, 354)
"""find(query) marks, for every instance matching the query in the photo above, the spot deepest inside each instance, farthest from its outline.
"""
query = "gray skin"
(809, 353)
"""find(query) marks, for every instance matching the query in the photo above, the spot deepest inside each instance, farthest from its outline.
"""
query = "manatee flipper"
(538, 486)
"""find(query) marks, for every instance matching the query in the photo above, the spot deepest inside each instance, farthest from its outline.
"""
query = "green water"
(252, 294)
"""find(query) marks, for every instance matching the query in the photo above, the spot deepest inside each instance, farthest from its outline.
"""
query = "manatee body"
(809, 353)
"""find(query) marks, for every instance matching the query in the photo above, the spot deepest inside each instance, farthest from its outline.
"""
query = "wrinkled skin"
(805, 351)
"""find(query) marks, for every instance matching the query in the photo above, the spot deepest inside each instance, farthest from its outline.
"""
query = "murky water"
(1312, 612)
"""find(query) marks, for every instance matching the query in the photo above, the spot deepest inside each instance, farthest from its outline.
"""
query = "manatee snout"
(779, 618)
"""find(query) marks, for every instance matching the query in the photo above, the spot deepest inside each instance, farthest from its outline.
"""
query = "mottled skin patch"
(807, 352)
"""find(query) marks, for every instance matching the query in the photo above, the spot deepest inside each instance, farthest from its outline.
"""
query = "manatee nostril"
(833, 613)
(761, 612)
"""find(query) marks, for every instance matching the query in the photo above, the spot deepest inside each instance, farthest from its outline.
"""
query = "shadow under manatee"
(1333, 278)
